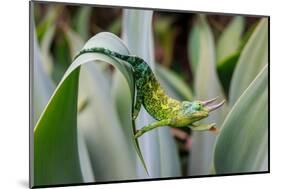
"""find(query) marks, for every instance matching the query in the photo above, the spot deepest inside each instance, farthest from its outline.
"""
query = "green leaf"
(166, 37)
(47, 22)
(160, 160)
(120, 95)
(82, 21)
(47, 59)
(56, 158)
(174, 83)
(43, 86)
(207, 86)
(225, 71)
(247, 35)
(230, 39)
(75, 43)
(194, 47)
(55, 137)
(115, 27)
(103, 132)
(61, 56)
(99, 115)
(242, 145)
(228, 50)
(252, 59)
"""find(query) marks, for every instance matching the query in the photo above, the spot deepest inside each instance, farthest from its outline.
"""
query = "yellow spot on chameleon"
(163, 106)
(154, 96)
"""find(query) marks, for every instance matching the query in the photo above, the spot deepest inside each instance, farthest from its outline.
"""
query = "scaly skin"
(166, 110)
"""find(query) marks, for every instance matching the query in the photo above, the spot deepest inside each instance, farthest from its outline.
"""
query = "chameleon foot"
(138, 134)
(204, 127)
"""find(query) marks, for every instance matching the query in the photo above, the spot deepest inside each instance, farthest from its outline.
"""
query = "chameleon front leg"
(151, 126)
(203, 127)
(137, 106)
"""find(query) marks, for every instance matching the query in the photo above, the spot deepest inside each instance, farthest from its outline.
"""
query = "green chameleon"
(166, 110)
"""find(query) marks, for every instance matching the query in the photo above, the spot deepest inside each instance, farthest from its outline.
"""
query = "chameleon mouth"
(212, 107)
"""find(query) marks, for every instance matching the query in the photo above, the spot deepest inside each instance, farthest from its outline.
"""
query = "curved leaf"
(137, 33)
(230, 39)
(55, 135)
(252, 59)
(243, 141)
(75, 44)
(207, 86)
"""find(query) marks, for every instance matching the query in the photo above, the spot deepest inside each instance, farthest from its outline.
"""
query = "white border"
(14, 92)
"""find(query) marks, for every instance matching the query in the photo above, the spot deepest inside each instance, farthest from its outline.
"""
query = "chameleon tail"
(133, 60)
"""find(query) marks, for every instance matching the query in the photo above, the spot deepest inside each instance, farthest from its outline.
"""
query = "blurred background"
(171, 31)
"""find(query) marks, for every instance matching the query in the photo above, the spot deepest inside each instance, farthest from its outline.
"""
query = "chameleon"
(165, 110)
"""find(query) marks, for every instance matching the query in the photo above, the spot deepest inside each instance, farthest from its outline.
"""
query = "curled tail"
(133, 60)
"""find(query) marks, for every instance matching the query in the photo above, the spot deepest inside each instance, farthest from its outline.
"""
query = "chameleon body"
(166, 110)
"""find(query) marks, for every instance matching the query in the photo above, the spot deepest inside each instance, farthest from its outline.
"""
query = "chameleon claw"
(214, 129)
(138, 134)
(134, 117)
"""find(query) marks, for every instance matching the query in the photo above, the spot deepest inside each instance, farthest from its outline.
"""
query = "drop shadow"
(24, 183)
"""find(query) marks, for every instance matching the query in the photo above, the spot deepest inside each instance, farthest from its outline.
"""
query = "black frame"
(132, 180)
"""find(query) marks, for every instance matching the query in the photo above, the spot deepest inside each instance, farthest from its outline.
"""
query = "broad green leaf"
(75, 43)
(207, 86)
(174, 83)
(137, 34)
(103, 132)
(242, 145)
(252, 59)
(56, 159)
(100, 116)
(230, 39)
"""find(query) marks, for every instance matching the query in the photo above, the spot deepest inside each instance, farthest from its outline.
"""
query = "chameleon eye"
(197, 106)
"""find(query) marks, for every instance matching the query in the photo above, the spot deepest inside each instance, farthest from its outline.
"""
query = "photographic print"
(121, 94)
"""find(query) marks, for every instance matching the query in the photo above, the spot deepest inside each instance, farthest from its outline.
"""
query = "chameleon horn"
(209, 101)
(216, 106)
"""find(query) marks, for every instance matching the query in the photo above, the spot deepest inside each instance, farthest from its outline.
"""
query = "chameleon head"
(197, 110)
